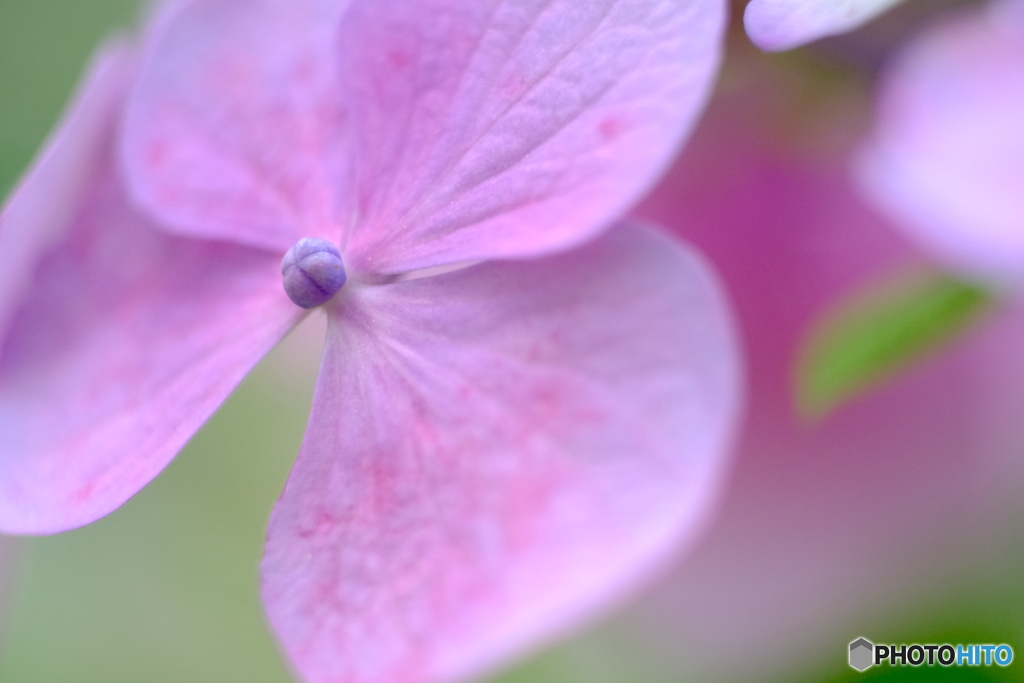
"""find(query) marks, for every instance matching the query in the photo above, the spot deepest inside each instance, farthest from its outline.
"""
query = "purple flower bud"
(313, 272)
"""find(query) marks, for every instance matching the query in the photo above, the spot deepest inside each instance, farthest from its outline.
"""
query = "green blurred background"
(165, 589)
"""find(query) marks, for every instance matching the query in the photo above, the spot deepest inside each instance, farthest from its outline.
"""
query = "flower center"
(313, 272)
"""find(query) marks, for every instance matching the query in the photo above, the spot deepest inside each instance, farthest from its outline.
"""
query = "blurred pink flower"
(785, 24)
(945, 159)
(493, 452)
(823, 523)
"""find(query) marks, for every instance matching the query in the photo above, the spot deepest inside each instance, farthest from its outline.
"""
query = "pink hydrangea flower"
(498, 445)
(945, 160)
(822, 523)
(785, 24)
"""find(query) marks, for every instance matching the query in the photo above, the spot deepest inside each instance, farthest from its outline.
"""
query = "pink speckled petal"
(127, 339)
(235, 128)
(496, 453)
(427, 133)
(946, 158)
(784, 24)
(36, 216)
(502, 129)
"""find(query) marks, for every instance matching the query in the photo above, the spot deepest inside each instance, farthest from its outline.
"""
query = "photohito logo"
(864, 654)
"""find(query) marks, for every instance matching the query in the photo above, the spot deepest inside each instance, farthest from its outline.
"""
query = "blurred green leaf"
(44, 46)
(960, 674)
(877, 332)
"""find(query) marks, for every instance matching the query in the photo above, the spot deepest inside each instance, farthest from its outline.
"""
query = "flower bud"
(313, 272)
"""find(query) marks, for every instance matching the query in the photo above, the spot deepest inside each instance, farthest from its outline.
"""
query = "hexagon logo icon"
(861, 654)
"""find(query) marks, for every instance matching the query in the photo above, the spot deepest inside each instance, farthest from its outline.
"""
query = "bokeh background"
(166, 588)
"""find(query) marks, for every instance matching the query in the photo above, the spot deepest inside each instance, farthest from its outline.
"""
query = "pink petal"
(235, 125)
(431, 132)
(35, 217)
(496, 453)
(784, 24)
(125, 342)
(946, 158)
(493, 129)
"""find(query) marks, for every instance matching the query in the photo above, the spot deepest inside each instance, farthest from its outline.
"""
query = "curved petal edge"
(776, 25)
(945, 158)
